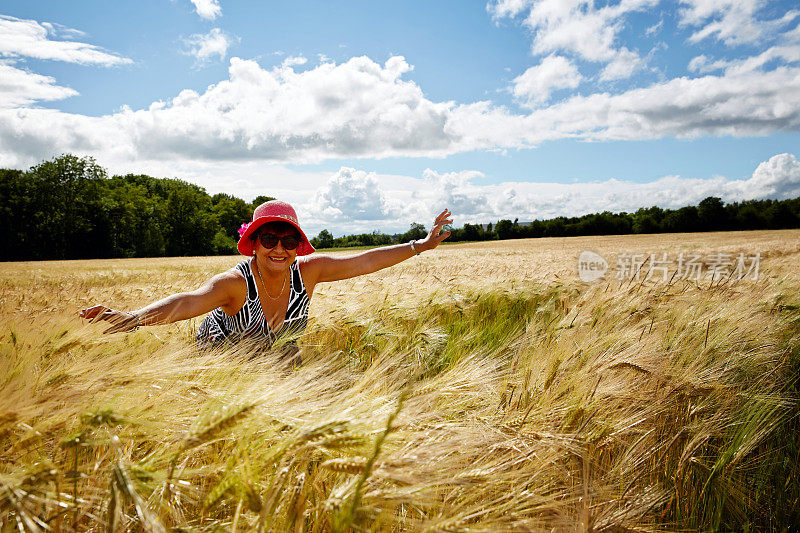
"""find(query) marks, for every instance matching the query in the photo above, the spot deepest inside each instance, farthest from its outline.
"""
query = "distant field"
(480, 387)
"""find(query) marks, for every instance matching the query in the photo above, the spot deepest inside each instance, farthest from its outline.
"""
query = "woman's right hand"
(120, 320)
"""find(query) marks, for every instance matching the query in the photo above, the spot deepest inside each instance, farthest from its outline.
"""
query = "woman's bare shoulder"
(310, 267)
(313, 262)
(232, 280)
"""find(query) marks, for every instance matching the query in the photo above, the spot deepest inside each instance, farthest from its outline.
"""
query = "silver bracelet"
(138, 321)
(413, 248)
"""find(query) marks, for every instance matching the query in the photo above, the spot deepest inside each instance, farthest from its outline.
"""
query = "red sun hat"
(272, 211)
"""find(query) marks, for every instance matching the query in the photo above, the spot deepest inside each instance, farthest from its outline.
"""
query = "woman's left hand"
(434, 236)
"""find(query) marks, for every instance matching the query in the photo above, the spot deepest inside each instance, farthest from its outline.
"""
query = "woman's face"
(276, 258)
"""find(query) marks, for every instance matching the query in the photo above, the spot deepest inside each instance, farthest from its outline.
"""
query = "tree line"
(711, 214)
(69, 208)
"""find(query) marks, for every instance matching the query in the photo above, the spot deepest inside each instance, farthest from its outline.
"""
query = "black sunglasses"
(270, 240)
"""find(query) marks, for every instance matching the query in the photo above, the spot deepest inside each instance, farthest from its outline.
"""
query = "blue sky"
(371, 115)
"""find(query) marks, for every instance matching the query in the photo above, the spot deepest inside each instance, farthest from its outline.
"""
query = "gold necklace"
(258, 271)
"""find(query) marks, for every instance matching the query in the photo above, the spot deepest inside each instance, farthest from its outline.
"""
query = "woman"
(266, 296)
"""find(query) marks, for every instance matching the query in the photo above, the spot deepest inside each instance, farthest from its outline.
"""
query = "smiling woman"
(266, 296)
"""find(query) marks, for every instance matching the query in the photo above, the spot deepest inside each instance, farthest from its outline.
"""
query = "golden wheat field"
(479, 387)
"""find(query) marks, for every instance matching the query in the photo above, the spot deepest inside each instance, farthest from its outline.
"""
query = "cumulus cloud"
(536, 84)
(28, 38)
(734, 22)
(22, 88)
(455, 191)
(358, 200)
(352, 195)
(205, 46)
(350, 109)
(622, 66)
(577, 27)
(777, 178)
(361, 108)
(207, 9)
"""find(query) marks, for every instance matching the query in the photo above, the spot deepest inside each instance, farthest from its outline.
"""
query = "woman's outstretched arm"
(323, 268)
(221, 290)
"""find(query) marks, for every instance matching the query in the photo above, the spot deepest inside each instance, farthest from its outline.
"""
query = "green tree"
(224, 244)
(504, 229)
(257, 201)
(555, 227)
(15, 216)
(711, 212)
(645, 222)
(473, 232)
(191, 225)
(748, 216)
(683, 220)
(323, 240)
(68, 214)
(138, 219)
(417, 231)
(779, 216)
(231, 213)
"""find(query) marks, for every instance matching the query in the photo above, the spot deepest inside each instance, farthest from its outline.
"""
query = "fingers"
(119, 321)
(440, 221)
(94, 313)
(439, 238)
(434, 236)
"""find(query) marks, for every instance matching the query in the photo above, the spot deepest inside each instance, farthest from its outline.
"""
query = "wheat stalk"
(224, 420)
(349, 465)
(122, 481)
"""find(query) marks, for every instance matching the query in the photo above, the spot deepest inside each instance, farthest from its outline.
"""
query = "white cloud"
(355, 108)
(207, 9)
(792, 36)
(19, 88)
(786, 55)
(292, 61)
(455, 191)
(507, 8)
(351, 195)
(205, 46)
(578, 27)
(733, 22)
(363, 109)
(536, 84)
(655, 29)
(60, 30)
(422, 198)
(357, 200)
(737, 104)
(28, 38)
(624, 64)
(779, 177)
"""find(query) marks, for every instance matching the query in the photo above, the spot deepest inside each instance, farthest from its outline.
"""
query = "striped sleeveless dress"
(249, 323)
